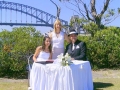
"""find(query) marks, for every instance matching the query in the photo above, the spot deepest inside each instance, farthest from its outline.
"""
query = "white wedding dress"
(43, 56)
(35, 76)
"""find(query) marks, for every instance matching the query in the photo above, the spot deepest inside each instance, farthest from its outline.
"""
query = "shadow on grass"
(101, 85)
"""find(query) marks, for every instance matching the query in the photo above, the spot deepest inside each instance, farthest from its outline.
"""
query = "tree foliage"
(91, 13)
(16, 46)
(104, 48)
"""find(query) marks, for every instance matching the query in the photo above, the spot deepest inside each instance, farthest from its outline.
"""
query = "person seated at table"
(43, 52)
(76, 49)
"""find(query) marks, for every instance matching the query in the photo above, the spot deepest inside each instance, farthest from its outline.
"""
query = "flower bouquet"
(64, 60)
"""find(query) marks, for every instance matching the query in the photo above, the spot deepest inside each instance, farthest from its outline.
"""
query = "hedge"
(103, 50)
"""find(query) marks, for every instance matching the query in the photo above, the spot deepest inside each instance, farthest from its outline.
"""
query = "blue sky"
(65, 14)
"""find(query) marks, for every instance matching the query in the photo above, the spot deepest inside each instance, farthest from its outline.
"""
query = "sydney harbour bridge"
(16, 14)
(32, 16)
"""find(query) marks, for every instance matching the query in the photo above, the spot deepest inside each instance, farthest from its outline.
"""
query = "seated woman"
(43, 52)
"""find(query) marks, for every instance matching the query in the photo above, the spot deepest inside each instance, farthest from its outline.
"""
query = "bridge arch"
(31, 11)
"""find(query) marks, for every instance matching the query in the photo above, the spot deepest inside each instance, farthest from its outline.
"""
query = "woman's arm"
(50, 35)
(37, 51)
(67, 38)
(50, 58)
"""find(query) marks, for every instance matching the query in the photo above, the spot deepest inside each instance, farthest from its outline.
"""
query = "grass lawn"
(13, 85)
(107, 84)
(99, 84)
(103, 80)
(106, 80)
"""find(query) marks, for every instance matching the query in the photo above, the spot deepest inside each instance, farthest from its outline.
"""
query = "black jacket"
(79, 53)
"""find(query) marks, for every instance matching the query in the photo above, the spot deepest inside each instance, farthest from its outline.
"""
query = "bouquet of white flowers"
(64, 60)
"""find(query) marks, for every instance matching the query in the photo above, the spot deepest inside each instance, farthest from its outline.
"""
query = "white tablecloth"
(77, 76)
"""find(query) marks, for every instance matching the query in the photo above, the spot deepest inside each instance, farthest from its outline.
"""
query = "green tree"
(88, 27)
(16, 46)
(91, 13)
(104, 48)
(91, 28)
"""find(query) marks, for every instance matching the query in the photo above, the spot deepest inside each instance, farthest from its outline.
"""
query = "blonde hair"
(57, 21)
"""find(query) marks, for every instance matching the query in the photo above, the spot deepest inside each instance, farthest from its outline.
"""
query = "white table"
(77, 76)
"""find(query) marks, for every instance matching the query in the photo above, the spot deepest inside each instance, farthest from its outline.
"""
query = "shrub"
(15, 47)
(104, 48)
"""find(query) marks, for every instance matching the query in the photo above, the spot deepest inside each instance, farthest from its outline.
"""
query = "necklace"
(57, 35)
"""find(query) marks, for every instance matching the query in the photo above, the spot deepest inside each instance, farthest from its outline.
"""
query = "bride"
(43, 52)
